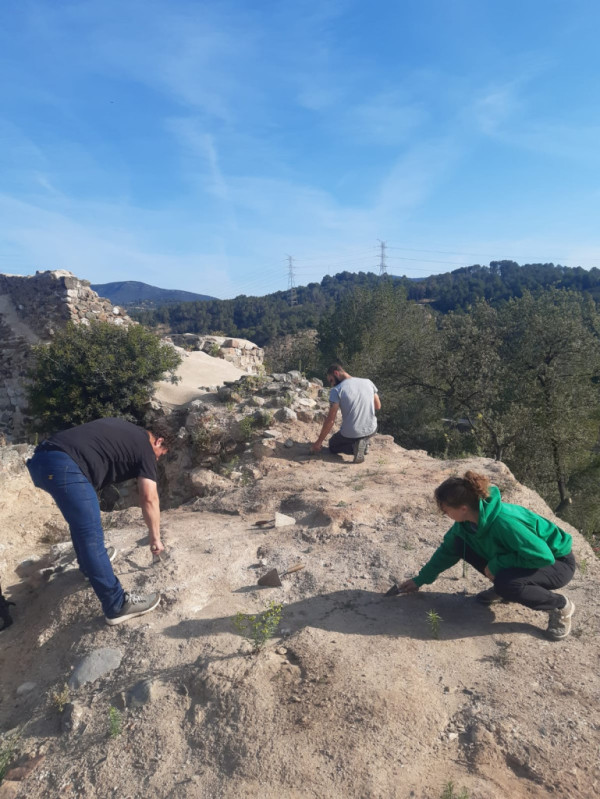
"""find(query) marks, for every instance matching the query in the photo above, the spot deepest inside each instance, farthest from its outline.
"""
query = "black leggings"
(530, 587)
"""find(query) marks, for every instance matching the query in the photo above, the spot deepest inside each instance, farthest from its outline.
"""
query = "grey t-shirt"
(355, 397)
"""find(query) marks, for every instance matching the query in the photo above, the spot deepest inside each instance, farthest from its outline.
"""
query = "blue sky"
(195, 145)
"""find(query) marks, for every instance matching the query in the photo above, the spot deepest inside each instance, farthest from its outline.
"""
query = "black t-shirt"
(108, 451)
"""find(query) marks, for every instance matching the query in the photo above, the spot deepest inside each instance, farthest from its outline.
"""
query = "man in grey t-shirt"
(358, 400)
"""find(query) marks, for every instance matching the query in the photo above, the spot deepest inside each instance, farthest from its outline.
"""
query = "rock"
(271, 433)
(281, 520)
(305, 416)
(9, 789)
(95, 665)
(22, 772)
(257, 402)
(25, 688)
(71, 717)
(289, 443)
(316, 381)
(264, 448)
(140, 694)
(306, 402)
(286, 415)
(206, 482)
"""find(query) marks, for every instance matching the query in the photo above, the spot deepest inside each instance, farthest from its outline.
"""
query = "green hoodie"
(507, 536)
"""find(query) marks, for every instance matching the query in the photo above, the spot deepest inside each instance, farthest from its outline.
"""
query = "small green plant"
(465, 568)
(115, 722)
(214, 350)
(259, 628)
(434, 619)
(228, 467)
(230, 405)
(449, 793)
(60, 698)
(247, 426)
(7, 753)
(583, 566)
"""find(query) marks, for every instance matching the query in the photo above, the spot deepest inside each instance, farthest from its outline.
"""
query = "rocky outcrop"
(239, 351)
(32, 308)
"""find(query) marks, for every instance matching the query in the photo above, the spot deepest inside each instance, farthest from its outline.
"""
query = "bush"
(90, 372)
(259, 628)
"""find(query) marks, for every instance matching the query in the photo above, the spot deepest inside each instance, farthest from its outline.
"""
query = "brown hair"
(467, 490)
(161, 429)
(335, 367)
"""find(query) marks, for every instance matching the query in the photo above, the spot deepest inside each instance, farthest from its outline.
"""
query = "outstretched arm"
(151, 511)
(327, 425)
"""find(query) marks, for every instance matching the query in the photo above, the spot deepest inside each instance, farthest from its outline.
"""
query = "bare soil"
(354, 696)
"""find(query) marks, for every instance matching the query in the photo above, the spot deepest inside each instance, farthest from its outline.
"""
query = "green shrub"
(434, 619)
(259, 628)
(7, 752)
(89, 372)
(449, 793)
(247, 426)
(115, 725)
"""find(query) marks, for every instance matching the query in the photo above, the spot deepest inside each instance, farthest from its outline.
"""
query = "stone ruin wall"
(32, 308)
(239, 351)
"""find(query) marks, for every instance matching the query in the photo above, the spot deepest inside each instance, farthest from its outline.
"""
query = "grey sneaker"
(112, 554)
(359, 447)
(559, 621)
(488, 597)
(134, 605)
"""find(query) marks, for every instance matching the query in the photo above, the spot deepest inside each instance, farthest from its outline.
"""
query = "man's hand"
(156, 547)
(408, 587)
(316, 448)
(488, 574)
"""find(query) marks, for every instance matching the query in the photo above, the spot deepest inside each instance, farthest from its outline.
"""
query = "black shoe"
(488, 597)
(134, 605)
(359, 447)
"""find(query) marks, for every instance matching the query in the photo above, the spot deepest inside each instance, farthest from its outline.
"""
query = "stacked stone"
(40, 304)
(239, 351)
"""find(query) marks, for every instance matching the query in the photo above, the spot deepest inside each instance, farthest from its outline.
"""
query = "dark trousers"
(530, 587)
(339, 443)
(59, 475)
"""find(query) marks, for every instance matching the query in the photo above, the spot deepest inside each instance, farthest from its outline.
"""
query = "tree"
(90, 372)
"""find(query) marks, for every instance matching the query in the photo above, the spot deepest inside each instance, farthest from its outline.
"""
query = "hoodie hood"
(488, 510)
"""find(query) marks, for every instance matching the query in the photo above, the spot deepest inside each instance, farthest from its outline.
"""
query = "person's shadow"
(424, 615)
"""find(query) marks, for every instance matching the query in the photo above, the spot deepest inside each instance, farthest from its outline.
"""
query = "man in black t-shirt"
(71, 466)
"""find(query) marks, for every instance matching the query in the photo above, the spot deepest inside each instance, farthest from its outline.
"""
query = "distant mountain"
(132, 293)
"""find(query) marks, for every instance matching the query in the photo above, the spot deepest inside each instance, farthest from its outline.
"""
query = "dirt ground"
(354, 696)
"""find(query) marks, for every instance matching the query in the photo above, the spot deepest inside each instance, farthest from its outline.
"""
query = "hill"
(132, 293)
(353, 697)
(264, 319)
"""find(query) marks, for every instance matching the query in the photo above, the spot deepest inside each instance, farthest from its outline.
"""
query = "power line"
(382, 264)
(291, 286)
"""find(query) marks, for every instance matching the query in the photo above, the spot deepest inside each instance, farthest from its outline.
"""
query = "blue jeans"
(58, 474)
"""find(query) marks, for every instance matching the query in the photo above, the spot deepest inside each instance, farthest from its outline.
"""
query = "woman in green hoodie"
(526, 556)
